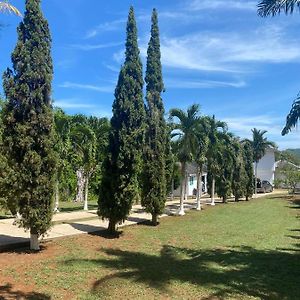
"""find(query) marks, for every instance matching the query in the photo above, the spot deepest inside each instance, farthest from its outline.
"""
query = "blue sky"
(218, 53)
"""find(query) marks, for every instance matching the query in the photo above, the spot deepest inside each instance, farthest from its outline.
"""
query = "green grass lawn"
(248, 250)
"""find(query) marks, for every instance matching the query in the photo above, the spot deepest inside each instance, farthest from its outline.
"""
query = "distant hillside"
(292, 155)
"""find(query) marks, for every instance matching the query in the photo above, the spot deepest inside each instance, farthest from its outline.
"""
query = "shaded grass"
(248, 250)
(76, 206)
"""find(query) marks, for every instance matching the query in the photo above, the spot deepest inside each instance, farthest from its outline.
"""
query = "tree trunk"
(80, 185)
(154, 219)
(186, 191)
(172, 190)
(213, 191)
(56, 207)
(255, 183)
(86, 193)
(34, 242)
(112, 226)
(199, 188)
(182, 190)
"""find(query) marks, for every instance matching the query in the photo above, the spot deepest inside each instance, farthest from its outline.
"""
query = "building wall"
(266, 166)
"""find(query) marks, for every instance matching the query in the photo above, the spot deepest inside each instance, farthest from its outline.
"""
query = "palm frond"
(293, 117)
(275, 7)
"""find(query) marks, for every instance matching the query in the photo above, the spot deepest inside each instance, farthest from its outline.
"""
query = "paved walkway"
(72, 223)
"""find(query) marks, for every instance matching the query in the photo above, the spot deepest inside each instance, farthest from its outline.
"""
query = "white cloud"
(242, 127)
(229, 52)
(105, 27)
(89, 47)
(72, 85)
(188, 84)
(222, 4)
(72, 103)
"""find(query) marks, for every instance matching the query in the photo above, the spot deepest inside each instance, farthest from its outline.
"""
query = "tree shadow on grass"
(96, 230)
(7, 292)
(233, 272)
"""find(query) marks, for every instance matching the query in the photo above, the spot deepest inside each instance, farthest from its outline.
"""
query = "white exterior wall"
(192, 184)
(266, 166)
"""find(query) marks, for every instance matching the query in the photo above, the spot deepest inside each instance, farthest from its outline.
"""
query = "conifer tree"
(28, 124)
(156, 151)
(239, 172)
(248, 160)
(120, 182)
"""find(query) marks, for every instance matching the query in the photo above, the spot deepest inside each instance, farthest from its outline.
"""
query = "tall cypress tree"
(28, 124)
(154, 183)
(120, 184)
(248, 160)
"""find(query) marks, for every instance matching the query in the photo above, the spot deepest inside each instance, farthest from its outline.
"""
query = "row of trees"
(40, 145)
(229, 160)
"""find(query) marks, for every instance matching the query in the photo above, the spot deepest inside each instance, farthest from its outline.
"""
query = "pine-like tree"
(28, 124)
(122, 167)
(239, 177)
(248, 160)
(156, 151)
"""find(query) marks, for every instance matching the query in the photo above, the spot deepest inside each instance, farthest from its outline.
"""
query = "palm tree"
(216, 132)
(293, 117)
(5, 6)
(62, 146)
(186, 143)
(275, 7)
(200, 157)
(83, 141)
(259, 145)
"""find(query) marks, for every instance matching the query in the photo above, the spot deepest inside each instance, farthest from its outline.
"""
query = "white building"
(266, 166)
(192, 180)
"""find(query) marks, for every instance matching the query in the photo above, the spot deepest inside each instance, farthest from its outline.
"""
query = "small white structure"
(192, 180)
(266, 166)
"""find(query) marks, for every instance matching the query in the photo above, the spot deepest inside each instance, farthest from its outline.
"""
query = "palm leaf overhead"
(6, 7)
(293, 117)
(275, 7)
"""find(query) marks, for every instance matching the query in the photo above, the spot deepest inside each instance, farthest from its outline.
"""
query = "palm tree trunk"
(86, 195)
(182, 189)
(213, 191)
(172, 190)
(199, 188)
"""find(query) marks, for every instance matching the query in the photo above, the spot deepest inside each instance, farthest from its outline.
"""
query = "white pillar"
(213, 192)
(86, 193)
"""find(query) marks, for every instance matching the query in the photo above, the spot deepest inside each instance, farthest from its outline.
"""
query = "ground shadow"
(7, 292)
(96, 230)
(233, 272)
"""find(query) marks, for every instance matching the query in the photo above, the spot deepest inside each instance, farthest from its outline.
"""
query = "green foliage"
(239, 179)
(122, 166)
(216, 132)
(260, 144)
(28, 139)
(248, 161)
(225, 162)
(290, 177)
(186, 132)
(157, 138)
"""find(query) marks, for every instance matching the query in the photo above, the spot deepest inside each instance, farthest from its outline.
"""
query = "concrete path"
(72, 223)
